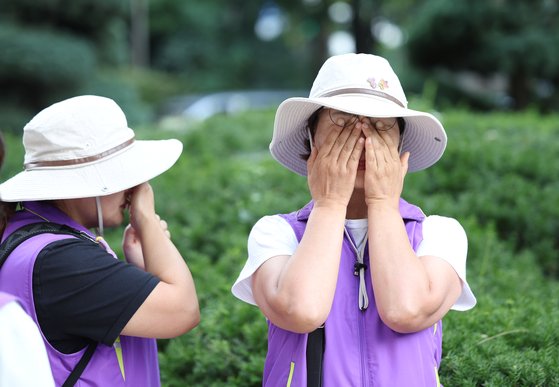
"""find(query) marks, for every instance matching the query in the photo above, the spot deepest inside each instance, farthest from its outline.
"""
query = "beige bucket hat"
(360, 84)
(82, 147)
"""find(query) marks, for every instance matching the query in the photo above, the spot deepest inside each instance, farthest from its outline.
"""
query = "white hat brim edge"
(138, 163)
(424, 137)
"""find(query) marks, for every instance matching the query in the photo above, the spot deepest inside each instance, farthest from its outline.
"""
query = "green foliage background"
(498, 177)
(503, 55)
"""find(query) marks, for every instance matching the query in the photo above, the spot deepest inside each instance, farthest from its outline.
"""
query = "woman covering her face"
(83, 170)
(354, 285)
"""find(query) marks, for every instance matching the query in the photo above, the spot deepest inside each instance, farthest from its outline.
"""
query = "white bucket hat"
(82, 147)
(360, 84)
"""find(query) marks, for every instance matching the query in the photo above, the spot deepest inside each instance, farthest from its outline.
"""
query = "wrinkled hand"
(385, 168)
(332, 168)
(142, 206)
(142, 212)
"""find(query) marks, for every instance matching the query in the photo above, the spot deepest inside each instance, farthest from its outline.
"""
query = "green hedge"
(502, 169)
(44, 57)
(38, 67)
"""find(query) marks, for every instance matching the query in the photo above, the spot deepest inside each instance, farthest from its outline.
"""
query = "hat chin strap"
(100, 230)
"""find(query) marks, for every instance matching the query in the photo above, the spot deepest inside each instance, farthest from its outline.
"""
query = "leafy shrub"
(125, 94)
(499, 168)
(38, 67)
(509, 338)
(13, 118)
(153, 87)
(32, 57)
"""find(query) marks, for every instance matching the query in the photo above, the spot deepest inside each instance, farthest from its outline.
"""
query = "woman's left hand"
(385, 168)
(132, 247)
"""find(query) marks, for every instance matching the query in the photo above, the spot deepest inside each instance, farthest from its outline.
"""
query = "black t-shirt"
(83, 294)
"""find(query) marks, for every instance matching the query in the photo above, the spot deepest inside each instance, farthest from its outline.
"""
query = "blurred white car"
(201, 107)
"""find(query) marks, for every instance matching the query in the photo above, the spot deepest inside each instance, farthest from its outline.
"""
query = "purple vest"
(6, 298)
(360, 350)
(137, 356)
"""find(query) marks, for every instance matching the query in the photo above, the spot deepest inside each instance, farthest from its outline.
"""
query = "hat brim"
(424, 136)
(138, 163)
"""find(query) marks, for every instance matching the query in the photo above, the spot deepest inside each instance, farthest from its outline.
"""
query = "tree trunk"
(139, 33)
(361, 28)
(519, 89)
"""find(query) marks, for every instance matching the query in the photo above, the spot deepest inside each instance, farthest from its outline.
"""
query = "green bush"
(13, 118)
(499, 168)
(509, 338)
(125, 94)
(37, 68)
(43, 57)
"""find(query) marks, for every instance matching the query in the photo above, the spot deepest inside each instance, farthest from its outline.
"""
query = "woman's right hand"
(332, 166)
(142, 206)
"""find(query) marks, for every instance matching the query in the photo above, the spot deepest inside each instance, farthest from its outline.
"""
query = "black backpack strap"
(80, 367)
(28, 231)
(315, 356)
(32, 229)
